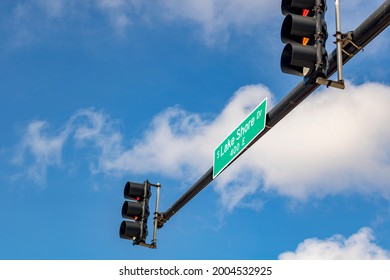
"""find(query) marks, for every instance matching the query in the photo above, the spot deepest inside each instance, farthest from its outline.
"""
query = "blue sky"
(96, 93)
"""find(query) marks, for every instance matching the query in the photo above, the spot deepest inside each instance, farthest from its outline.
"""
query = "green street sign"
(240, 137)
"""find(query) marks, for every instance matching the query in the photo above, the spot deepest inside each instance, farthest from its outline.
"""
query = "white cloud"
(359, 246)
(40, 149)
(334, 142)
(96, 129)
(177, 143)
(45, 150)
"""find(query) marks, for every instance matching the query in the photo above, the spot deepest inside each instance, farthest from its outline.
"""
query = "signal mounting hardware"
(304, 31)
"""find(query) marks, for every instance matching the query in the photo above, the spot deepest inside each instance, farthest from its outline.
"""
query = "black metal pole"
(361, 36)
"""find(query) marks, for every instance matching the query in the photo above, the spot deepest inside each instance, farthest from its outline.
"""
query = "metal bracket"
(344, 39)
(329, 83)
(151, 246)
(347, 39)
(161, 220)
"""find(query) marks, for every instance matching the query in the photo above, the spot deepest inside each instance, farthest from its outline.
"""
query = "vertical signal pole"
(156, 216)
(339, 43)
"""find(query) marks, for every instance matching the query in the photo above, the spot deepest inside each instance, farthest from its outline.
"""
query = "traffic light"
(136, 210)
(304, 32)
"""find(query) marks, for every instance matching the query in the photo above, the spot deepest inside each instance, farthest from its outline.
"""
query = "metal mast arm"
(357, 39)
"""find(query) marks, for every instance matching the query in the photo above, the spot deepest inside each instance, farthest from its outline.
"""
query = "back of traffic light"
(304, 31)
(135, 211)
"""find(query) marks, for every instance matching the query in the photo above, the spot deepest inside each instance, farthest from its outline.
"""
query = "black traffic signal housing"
(136, 212)
(304, 32)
